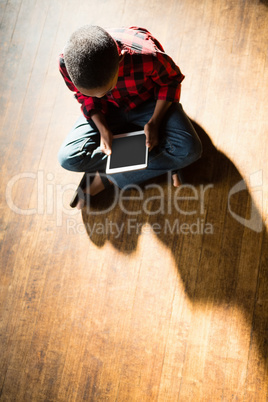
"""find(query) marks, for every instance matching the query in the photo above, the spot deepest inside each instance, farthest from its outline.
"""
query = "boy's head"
(92, 60)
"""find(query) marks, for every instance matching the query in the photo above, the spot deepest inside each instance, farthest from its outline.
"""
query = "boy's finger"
(107, 151)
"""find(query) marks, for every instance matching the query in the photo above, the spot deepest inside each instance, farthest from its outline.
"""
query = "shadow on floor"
(228, 267)
(265, 2)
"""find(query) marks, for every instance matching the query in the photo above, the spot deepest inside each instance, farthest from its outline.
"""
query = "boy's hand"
(106, 136)
(151, 129)
(106, 142)
(151, 132)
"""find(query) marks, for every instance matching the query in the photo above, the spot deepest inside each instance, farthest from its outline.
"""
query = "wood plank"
(13, 40)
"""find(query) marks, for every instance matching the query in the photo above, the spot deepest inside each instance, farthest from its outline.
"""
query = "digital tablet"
(129, 152)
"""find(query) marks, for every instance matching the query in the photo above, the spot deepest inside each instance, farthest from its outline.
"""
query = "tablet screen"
(129, 152)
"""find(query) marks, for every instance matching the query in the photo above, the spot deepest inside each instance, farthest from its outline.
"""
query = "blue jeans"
(179, 144)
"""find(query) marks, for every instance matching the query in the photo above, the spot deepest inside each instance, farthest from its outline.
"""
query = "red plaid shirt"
(145, 72)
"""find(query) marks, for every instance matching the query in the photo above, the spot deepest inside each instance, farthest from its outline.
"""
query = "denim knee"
(188, 146)
(62, 158)
(194, 147)
(67, 161)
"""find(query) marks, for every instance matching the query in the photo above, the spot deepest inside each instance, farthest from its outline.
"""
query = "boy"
(123, 77)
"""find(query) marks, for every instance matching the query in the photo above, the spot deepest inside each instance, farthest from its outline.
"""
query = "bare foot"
(93, 189)
(81, 203)
(176, 180)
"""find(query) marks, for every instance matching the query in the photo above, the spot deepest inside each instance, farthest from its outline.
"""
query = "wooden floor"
(163, 296)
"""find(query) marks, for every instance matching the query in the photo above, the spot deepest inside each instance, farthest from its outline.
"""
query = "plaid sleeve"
(167, 77)
(88, 103)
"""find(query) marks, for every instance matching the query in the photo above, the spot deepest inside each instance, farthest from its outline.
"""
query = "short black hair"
(91, 57)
